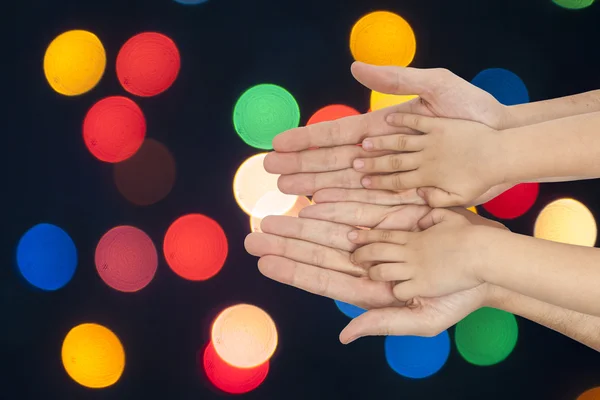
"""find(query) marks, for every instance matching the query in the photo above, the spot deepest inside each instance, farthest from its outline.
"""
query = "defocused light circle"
(195, 247)
(503, 84)
(473, 209)
(191, 2)
(74, 62)
(264, 111)
(148, 176)
(126, 259)
(566, 221)
(47, 257)
(383, 100)
(252, 182)
(301, 203)
(93, 356)
(148, 64)
(573, 5)
(228, 378)
(515, 202)
(383, 38)
(331, 113)
(349, 310)
(592, 394)
(486, 336)
(417, 357)
(114, 129)
(244, 336)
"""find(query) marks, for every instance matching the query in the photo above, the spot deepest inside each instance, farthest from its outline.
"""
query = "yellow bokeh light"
(566, 221)
(472, 209)
(383, 100)
(93, 356)
(252, 182)
(383, 38)
(244, 336)
(301, 203)
(74, 62)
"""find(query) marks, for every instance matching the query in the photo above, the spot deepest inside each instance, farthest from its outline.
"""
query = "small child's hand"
(440, 260)
(453, 161)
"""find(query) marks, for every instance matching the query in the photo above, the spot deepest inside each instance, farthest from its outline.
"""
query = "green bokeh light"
(573, 4)
(486, 336)
(264, 111)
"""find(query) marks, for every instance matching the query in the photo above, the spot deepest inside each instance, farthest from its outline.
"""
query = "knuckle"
(385, 235)
(318, 257)
(395, 162)
(322, 286)
(401, 142)
(397, 182)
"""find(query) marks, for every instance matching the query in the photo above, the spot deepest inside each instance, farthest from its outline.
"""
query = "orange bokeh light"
(592, 394)
(301, 203)
(331, 113)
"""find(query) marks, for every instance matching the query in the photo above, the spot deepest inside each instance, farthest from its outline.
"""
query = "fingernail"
(358, 164)
(353, 235)
(367, 144)
(366, 182)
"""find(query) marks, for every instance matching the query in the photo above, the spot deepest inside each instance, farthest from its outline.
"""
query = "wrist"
(480, 239)
(497, 296)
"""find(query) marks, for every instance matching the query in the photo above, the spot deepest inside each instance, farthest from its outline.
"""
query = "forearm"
(583, 328)
(560, 274)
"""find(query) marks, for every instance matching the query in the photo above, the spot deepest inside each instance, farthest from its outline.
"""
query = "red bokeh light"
(148, 64)
(228, 378)
(195, 247)
(514, 202)
(114, 129)
(331, 113)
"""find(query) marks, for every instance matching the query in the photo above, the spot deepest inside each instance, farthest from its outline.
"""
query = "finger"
(355, 214)
(397, 321)
(391, 272)
(324, 233)
(261, 244)
(404, 291)
(308, 183)
(362, 237)
(394, 80)
(380, 253)
(361, 292)
(389, 163)
(439, 215)
(404, 218)
(395, 143)
(370, 196)
(398, 181)
(436, 197)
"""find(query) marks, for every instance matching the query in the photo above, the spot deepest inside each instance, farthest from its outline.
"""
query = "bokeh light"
(566, 221)
(417, 357)
(573, 4)
(148, 176)
(126, 259)
(514, 202)
(47, 257)
(384, 100)
(252, 182)
(383, 38)
(331, 113)
(114, 129)
(148, 64)
(93, 356)
(74, 62)
(301, 203)
(473, 209)
(486, 336)
(228, 378)
(244, 336)
(503, 84)
(191, 2)
(592, 394)
(195, 247)
(349, 310)
(264, 111)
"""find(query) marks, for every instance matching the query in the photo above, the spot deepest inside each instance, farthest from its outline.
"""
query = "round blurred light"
(74, 62)
(486, 336)
(383, 100)
(255, 221)
(331, 113)
(473, 209)
(195, 247)
(503, 84)
(244, 336)
(573, 4)
(252, 182)
(148, 64)
(93, 356)
(515, 202)
(415, 356)
(114, 129)
(148, 176)
(383, 38)
(592, 394)
(264, 111)
(349, 310)
(566, 221)
(126, 259)
(47, 257)
(230, 379)
(191, 2)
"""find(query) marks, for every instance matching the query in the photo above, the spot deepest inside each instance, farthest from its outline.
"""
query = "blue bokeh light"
(503, 84)
(47, 257)
(417, 357)
(190, 2)
(349, 310)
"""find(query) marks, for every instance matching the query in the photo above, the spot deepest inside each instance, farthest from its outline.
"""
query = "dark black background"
(226, 47)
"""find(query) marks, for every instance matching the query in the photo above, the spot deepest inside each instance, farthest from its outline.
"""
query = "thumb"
(390, 79)
(436, 216)
(436, 197)
(384, 322)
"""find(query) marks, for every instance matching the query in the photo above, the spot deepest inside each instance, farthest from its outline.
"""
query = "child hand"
(440, 260)
(453, 161)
